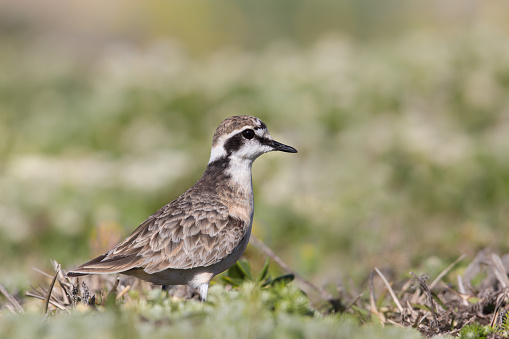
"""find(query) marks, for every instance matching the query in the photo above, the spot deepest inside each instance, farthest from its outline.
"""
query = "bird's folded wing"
(178, 236)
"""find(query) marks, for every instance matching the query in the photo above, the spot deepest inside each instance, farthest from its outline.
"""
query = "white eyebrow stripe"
(263, 133)
(225, 137)
(260, 132)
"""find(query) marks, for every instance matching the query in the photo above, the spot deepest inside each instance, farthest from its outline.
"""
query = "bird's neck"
(232, 184)
(239, 171)
(234, 172)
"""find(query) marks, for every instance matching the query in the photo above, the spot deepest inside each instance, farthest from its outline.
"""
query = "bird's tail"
(100, 265)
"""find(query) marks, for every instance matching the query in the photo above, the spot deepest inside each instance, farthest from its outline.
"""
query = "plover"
(206, 229)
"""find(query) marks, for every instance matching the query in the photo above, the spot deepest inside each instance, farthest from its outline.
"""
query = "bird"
(205, 230)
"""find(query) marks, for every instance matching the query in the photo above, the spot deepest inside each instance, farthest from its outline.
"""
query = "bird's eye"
(248, 134)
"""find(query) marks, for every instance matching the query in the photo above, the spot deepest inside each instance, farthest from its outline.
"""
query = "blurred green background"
(399, 110)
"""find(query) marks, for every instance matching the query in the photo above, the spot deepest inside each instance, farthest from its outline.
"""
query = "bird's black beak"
(277, 146)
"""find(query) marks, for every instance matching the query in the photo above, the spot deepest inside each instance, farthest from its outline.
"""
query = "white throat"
(239, 170)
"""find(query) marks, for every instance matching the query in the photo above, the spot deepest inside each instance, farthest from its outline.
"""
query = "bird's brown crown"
(236, 123)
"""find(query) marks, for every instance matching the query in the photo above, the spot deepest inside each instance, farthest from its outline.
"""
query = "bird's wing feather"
(181, 235)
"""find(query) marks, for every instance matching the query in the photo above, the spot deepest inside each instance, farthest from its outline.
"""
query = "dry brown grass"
(480, 295)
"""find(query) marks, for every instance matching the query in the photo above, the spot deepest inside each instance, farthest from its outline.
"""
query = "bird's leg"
(166, 290)
(203, 289)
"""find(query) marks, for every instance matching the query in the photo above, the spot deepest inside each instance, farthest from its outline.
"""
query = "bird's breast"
(241, 205)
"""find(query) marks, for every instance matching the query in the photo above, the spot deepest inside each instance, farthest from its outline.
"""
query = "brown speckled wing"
(181, 235)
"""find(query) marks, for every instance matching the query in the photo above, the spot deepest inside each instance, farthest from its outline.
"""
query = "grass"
(253, 304)
(261, 308)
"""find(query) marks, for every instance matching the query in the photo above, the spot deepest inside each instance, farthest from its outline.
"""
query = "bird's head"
(244, 138)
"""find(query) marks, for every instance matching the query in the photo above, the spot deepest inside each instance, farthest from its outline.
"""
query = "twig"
(423, 318)
(124, 291)
(392, 322)
(500, 300)
(48, 295)
(391, 292)
(114, 289)
(444, 272)
(65, 291)
(353, 302)
(372, 302)
(461, 289)
(265, 249)
(405, 288)
(429, 297)
(52, 302)
(12, 300)
(417, 320)
(416, 296)
(63, 286)
(468, 322)
(42, 272)
(413, 313)
(499, 270)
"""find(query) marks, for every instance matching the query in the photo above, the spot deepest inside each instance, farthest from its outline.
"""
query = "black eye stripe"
(233, 144)
(264, 141)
